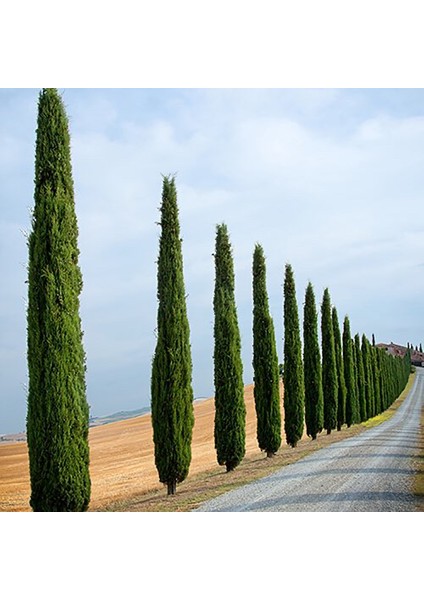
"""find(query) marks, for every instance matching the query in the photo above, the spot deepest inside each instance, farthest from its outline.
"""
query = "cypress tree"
(378, 383)
(349, 373)
(294, 391)
(230, 410)
(265, 362)
(367, 376)
(329, 367)
(356, 374)
(314, 402)
(58, 412)
(371, 379)
(341, 386)
(362, 398)
(376, 379)
(383, 378)
(172, 394)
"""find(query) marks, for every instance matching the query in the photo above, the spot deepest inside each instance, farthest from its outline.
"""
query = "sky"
(328, 180)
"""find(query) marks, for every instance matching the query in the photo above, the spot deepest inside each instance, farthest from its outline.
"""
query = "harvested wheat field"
(122, 457)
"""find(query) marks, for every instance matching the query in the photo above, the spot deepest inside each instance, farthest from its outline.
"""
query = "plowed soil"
(122, 458)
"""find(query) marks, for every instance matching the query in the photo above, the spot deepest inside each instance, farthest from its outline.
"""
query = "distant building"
(417, 358)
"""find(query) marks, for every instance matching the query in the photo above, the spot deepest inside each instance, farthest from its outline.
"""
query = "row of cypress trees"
(350, 384)
(342, 387)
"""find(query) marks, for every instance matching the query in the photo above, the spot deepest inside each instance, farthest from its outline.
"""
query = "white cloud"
(342, 205)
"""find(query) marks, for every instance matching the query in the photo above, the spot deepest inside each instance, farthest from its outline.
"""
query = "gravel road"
(370, 472)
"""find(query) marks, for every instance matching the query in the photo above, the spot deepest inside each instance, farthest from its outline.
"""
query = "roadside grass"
(209, 484)
(388, 414)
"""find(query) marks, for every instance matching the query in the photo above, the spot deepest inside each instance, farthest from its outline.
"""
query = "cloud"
(328, 180)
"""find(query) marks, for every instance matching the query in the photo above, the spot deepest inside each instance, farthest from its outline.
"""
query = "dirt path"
(122, 459)
(372, 472)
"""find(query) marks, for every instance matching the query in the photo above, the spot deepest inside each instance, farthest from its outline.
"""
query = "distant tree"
(341, 385)
(294, 391)
(373, 340)
(362, 396)
(265, 362)
(384, 384)
(172, 394)
(356, 374)
(349, 374)
(58, 412)
(230, 410)
(371, 380)
(314, 402)
(376, 379)
(366, 358)
(329, 366)
(421, 348)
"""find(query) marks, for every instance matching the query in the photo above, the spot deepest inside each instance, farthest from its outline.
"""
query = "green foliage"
(368, 376)
(341, 385)
(376, 379)
(362, 399)
(172, 394)
(352, 415)
(265, 362)
(314, 401)
(230, 410)
(58, 413)
(329, 366)
(294, 391)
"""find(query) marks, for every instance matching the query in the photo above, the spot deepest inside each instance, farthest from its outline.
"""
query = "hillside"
(122, 458)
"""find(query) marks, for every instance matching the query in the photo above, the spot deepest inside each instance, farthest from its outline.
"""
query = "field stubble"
(124, 476)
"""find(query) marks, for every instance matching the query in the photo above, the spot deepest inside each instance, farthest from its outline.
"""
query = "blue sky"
(329, 180)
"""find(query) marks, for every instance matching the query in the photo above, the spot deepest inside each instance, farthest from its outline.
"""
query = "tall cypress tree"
(314, 402)
(172, 394)
(341, 386)
(378, 387)
(294, 390)
(265, 362)
(58, 413)
(371, 379)
(383, 377)
(349, 373)
(230, 410)
(356, 373)
(362, 396)
(365, 348)
(329, 366)
(376, 379)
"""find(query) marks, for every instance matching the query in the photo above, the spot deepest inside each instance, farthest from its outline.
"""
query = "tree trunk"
(172, 487)
(270, 454)
(328, 431)
(339, 427)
